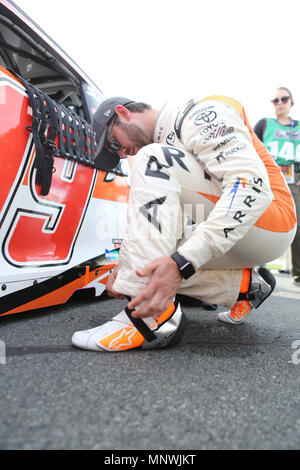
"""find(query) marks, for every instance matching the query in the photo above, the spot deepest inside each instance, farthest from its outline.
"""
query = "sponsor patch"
(111, 254)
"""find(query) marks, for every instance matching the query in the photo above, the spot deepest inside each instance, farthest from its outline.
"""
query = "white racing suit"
(209, 189)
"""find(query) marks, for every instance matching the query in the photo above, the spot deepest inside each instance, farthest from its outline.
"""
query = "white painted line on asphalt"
(288, 295)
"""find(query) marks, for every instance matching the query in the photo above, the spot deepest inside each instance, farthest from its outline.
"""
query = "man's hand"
(109, 285)
(160, 290)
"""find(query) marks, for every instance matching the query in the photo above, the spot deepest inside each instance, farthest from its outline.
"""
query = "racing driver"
(207, 208)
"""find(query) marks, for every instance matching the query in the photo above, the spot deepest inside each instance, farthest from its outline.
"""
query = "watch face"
(185, 267)
(188, 270)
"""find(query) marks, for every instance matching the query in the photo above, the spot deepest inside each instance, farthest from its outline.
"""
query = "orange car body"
(51, 245)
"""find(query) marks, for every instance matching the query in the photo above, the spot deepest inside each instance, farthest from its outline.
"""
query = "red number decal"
(39, 230)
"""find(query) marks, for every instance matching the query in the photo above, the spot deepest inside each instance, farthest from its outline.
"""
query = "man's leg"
(160, 202)
(232, 288)
(156, 224)
(256, 286)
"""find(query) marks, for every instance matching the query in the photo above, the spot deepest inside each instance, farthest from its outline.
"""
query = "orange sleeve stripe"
(280, 215)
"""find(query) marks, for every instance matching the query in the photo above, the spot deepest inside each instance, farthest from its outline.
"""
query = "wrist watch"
(185, 267)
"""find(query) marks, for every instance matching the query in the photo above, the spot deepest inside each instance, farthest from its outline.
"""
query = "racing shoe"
(123, 332)
(261, 286)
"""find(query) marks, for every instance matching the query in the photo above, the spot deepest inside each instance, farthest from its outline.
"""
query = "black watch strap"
(185, 267)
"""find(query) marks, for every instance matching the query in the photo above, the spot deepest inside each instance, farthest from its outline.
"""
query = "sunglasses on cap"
(283, 99)
(112, 144)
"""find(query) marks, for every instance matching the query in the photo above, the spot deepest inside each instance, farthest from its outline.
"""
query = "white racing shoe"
(123, 332)
(261, 287)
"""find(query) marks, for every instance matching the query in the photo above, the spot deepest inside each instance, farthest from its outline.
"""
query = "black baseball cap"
(106, 160)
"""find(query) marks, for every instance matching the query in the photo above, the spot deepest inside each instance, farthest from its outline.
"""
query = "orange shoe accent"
(129, 337)
(167, 314)
(245, 283)
(240, 309)
(122, 340)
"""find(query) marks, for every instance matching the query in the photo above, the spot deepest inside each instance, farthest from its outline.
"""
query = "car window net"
(51, 119)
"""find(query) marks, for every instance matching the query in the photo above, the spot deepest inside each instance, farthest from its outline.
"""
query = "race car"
(61, 219)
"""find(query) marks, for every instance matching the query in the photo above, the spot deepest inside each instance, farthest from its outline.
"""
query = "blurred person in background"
(281, 136)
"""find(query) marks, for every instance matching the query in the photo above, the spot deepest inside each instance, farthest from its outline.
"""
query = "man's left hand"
(160, 290)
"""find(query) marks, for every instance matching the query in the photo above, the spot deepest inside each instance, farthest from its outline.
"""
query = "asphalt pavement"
(223, 387)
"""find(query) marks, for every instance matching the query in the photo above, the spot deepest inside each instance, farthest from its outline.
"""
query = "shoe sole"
(223, 315)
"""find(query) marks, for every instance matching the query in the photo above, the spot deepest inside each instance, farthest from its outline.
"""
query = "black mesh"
(75, 136)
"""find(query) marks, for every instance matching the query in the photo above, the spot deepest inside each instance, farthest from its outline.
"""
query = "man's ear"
(122, 112)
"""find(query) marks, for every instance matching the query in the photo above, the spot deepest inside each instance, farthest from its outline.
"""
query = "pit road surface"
(222, 387)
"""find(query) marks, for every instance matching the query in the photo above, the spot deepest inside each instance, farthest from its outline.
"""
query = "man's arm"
(216, 134)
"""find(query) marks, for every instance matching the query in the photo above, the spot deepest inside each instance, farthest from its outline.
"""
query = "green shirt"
(283, 142)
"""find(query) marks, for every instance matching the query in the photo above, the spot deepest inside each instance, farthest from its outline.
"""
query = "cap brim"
(105, 160)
